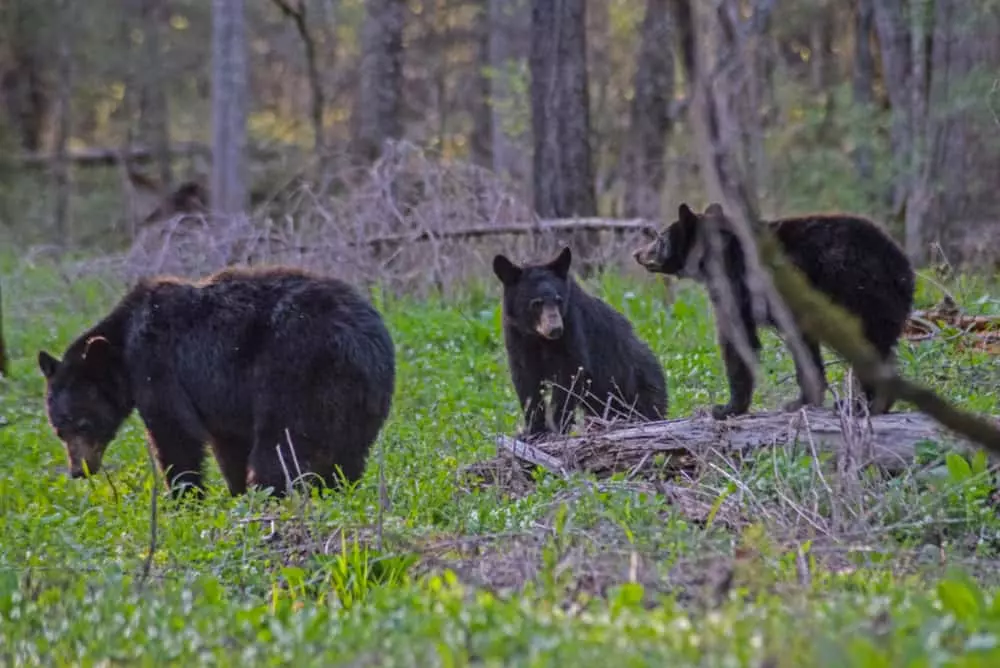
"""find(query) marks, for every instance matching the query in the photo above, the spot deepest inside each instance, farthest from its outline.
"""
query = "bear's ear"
(714, 209)
(560, 265)
(685, 214)
(47, 363)
(508, 272)
(97, 353)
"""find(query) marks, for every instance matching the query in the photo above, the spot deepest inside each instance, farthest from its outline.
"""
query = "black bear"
(247, 360)
(856, 264)
(555, 332)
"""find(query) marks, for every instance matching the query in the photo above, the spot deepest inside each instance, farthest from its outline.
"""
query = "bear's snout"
(550, 323)
(645, 255)
(84, 457)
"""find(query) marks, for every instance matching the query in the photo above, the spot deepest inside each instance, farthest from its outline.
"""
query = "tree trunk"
(64, 102)
(650, 122)
(560, 113)
(510, 22)
(154, 121)
(380, 112)
(920, 162)
(228, 189)
(863, 80)
(482, 120)
(894, 46)
(24, 94)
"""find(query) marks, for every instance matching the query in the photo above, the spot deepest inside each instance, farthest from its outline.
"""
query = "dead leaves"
(946, 321)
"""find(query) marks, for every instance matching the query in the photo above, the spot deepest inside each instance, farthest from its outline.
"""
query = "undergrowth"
(428, 569)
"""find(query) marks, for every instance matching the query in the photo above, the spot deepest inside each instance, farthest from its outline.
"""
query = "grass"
(576, 571)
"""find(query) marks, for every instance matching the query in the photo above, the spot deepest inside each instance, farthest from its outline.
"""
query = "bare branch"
(298, 16)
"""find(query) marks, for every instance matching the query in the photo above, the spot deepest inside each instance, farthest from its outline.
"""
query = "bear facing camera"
(558, 335)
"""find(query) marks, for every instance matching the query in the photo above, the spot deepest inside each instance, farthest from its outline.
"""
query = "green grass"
(579, 570)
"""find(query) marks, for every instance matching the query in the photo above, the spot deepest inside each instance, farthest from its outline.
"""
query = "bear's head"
(535, 297)
(678, 249)
(87, 400)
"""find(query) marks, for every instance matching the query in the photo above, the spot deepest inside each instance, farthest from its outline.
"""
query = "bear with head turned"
(557, 334)
(850, 259)
(281, 371)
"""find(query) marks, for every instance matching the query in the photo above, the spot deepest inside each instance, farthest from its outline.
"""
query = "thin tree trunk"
(650, 122)
(64, 103)
(862, 81)
(894, 46)
(23, 92)
(155, 121)
(380, 112)
(510, 21)
(920, 167)
(482, 119)
(228, 189)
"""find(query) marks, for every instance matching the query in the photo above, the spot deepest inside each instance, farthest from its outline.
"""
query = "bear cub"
(556, 333)
(850, 259)
(247, 360)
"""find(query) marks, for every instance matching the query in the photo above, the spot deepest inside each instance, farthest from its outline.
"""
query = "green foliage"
(598, 572)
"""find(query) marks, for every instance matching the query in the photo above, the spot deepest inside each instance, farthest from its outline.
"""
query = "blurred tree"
(24, 93)
(649, 120)
(65, 11)
(154, 117)
(380, 95)
(510, 22)
(228, 189)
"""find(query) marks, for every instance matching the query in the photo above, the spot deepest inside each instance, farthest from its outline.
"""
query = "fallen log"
(664, 449)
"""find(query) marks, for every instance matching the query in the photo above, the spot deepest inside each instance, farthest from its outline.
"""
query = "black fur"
(591, 345)
(234, 360)
(853, 261)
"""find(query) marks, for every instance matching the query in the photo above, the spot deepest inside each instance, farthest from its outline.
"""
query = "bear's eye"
(535, 304)
(557, 299)
(83, 424)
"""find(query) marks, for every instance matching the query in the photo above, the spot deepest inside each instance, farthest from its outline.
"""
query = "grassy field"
(449, 573)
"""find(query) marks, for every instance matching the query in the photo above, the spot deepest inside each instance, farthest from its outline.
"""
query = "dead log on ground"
(661, 450)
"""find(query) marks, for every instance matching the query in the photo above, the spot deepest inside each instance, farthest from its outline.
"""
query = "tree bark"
(229, 108)
(562, 171)
(380, 112)
(650, 122)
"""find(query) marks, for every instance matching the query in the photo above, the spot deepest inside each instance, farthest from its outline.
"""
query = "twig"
(147, 565)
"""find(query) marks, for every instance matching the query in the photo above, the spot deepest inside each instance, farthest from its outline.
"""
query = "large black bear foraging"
(246, 360)
(555, 332)
(856, 264)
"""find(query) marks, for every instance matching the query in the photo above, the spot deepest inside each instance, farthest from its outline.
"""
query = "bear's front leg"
(179, 454)
(740, 377)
